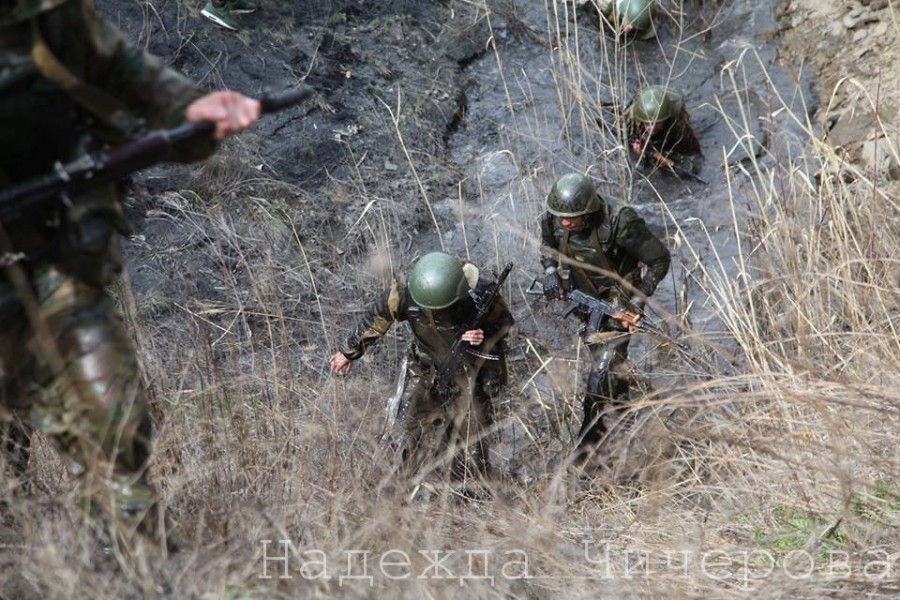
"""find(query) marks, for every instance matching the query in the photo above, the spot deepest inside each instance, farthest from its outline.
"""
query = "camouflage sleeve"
(142, 82)
(549, 243)
(378, 319)
(633, 236)
(685, 142)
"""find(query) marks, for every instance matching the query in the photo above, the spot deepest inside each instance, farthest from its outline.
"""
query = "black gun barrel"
(93, 169)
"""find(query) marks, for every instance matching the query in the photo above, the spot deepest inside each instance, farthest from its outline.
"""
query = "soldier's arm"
(633, 235)
(142, 82)
(685, 141)
(549, 244)
(378, 319)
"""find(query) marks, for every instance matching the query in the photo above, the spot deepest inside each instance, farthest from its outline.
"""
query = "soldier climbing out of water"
(629, 17)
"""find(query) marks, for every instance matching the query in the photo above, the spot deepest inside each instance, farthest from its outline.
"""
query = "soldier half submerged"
(659, 131)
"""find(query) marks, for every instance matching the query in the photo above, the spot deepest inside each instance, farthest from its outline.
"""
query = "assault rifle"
(598, 310)
(91, 169)
(652, 153)
(483, 305)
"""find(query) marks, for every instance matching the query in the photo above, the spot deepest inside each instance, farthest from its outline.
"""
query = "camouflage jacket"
(613, 239)
(43, 121)
(42, 124)
(676, 137)
(434, 331)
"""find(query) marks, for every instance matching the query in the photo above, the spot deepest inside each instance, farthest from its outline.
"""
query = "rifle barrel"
(87, 171)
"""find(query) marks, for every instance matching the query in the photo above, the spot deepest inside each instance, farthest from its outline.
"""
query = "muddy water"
(545, 102)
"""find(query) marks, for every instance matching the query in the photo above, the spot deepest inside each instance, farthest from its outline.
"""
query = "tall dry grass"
(762, 465)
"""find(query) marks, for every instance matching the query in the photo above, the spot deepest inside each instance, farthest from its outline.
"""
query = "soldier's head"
(12, 11)
(635, 15)
(572, 198)
(656, 104)
(437, 281)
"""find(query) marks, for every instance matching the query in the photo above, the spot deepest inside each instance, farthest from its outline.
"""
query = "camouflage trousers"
(75, 378)
(607, 384)
(449, 428)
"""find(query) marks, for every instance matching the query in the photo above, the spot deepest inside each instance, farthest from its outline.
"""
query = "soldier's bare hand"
(637, 147)
(340, 364)
(230, 111)
(473, 336)
(629, 320)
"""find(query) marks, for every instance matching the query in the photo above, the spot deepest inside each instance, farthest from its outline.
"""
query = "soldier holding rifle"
(70, 85)
(590, 245)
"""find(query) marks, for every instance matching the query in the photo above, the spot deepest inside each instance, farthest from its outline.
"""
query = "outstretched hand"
(340, 364)
(230, 111)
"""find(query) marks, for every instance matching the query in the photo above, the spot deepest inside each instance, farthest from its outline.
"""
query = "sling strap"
(94, 100)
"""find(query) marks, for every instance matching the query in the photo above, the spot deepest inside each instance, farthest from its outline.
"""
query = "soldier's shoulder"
(627, 223)
(472, 273)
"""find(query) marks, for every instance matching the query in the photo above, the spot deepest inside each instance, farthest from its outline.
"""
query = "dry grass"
(763, 465)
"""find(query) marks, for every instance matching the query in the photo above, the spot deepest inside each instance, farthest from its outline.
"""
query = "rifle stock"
(93, 169)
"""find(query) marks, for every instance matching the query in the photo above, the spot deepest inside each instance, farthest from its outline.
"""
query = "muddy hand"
(340, 364)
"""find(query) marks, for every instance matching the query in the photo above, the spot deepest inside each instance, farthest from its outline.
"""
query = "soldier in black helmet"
(590, 244)
(437, 302)
(70, 84)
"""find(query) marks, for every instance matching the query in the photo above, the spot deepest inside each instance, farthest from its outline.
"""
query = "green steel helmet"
(437, 281)
(637, 13)
(12, 11)
(573, 195)
(656, 103)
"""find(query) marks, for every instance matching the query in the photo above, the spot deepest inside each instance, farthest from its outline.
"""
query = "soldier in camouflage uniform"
(590, 244)
(70, 84)
(659, 131)
(437, 303)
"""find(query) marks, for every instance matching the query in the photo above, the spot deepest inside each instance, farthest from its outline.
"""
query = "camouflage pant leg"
(450, 429)
(606, 382)
(95, 408)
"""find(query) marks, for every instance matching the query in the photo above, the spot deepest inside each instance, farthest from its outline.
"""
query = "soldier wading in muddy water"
(589, 244)
(659, 131)
(69, 85)
(438, 300)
